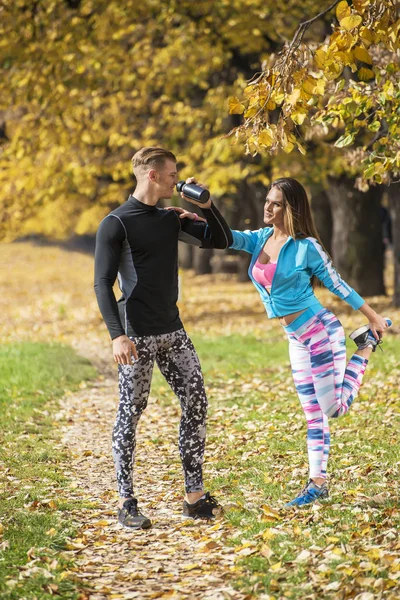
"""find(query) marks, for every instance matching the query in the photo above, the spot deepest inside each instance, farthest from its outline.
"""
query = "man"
(138, 242)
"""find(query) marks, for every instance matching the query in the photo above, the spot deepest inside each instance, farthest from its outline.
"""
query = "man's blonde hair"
(150, 158)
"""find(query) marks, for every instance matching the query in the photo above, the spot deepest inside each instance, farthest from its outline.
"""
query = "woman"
(287, 258)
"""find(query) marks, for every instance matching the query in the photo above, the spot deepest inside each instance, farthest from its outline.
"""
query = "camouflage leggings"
(178, 362)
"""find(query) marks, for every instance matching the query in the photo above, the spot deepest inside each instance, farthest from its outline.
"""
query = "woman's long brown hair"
(298, 219)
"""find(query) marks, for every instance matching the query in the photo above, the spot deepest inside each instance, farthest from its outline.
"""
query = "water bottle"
(193, 191)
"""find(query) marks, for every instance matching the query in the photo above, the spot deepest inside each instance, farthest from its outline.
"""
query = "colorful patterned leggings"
(325, 384)
(178, 362)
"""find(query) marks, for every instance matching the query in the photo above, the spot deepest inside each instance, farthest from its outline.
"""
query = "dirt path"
(176, 558)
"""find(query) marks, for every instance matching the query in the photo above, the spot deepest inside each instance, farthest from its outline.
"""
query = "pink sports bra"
(264, 274)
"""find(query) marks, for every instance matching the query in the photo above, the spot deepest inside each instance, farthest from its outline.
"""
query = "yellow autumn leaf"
(344, 40)
(270, 512)
(320, 58)
(277, 96)
(367, 36)
(276, 566)
(245, 545)
(393, 35)
(351, 22)
(362, 54)
(249, 90)
(294, 96)
(298, 117)
(365, 74)
(342, 57)
(251, 111)
(320, 87)
(268, 534)
(266, 138)
(51, 532)
(389, 89)
(235, 106)
(342, 10)
(309, 85)
(288, 143)
(288, 147)
(301, 149)
(191, 567)
(333, 70)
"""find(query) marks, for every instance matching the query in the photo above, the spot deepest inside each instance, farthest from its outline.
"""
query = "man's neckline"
(141, 204)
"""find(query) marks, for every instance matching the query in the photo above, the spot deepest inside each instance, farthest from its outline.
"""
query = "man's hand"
(123, 350)
(193, 180)
(185, 214)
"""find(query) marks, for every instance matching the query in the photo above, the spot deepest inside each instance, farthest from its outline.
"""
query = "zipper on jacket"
(253, 261)
(277, 262)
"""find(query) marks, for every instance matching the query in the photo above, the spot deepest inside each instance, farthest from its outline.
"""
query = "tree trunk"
(321, 210)
(185, 256)
(357, 235)
(247, 214)
(202, 261)
(243, 267)
(394, 209)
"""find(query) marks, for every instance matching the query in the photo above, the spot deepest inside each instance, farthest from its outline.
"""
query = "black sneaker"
(364, 338)
(205, 508)
(130, 516)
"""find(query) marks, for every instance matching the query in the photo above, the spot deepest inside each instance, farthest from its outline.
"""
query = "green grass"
(256, 455)
(32, 378)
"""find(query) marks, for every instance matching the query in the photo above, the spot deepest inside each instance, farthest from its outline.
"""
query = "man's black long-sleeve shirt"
(139, 244)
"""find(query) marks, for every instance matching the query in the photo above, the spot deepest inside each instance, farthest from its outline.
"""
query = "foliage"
(347, 84)
(85, 84)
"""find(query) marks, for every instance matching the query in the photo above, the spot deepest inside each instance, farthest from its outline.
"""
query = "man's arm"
(109, 239)
(215, 233)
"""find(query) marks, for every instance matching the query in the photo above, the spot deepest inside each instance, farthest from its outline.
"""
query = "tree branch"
(302, 28)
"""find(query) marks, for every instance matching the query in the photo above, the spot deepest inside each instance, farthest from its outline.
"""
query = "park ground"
(58, 532)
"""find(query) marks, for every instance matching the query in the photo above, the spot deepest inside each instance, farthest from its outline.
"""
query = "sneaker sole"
(358, 332)
(365, 328)
(197, 517)
(133, 528)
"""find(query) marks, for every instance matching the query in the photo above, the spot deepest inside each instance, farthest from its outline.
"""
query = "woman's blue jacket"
(298, 261)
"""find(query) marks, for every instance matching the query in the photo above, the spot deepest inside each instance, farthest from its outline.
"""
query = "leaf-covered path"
(176, 557)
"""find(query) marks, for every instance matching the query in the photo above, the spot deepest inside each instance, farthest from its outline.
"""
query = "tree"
(85, 84)
(348, 83)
